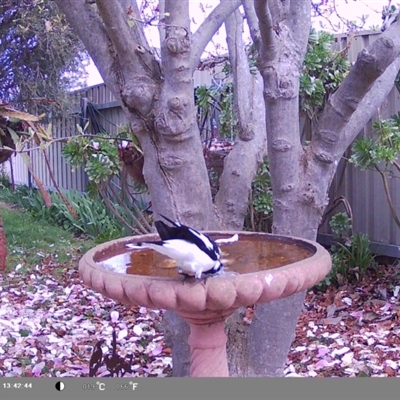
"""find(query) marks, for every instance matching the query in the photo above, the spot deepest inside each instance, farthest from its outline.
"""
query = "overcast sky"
(349, 9)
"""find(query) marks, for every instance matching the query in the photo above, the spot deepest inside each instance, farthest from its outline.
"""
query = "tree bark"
(301, 176)
(249, 150)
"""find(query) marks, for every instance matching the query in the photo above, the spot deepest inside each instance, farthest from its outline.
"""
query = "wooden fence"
(363, 190)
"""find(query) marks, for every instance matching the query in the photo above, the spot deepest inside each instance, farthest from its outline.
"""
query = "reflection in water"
(249, 254)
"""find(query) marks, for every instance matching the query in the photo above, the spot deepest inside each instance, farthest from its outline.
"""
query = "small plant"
(259, 217)
(116, 365)
(4, 178)
(351, 256)
(101, 158)
(358, 256)
(98, 156)
(323, 71)
(380, 154)
(340, 225)
(94, 218)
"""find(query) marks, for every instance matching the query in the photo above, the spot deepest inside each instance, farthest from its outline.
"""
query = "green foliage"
(323, 71)
(94, 219)
(351, 256)
(340, 225)
(262, 191)
(260, 211)
(228, 120)
(350, 261)
(380, 153)
(98, 156)
(29, 240)
(40, 56)
(383, 148)
(208, 98)
(4, 178)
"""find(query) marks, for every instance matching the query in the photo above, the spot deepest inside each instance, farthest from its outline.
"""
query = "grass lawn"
(34, 242)
(50, 322)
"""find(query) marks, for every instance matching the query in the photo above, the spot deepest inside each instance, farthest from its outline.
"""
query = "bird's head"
(217, 267)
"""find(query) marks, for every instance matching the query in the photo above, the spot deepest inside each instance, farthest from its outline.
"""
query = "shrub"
(94, 219)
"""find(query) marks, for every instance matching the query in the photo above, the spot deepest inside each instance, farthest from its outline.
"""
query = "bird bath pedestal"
(296, 265)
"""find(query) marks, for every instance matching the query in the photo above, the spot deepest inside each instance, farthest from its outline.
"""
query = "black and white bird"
(195, 253)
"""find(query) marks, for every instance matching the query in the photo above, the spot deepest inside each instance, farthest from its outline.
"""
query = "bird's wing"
(179, 231)
(167, 232)
(177, 249)
(176, 224)
(203, 242)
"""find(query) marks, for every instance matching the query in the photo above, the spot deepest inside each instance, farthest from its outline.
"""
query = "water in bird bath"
(248, 254)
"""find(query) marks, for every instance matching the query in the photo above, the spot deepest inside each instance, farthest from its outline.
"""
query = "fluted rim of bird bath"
(221, 294)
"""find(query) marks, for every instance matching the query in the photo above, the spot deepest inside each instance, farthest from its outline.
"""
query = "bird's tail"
(169, 220)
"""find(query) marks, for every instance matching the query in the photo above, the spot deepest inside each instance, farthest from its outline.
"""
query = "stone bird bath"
(265, 267)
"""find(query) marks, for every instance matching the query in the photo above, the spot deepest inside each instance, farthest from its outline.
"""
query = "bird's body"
(194, 253)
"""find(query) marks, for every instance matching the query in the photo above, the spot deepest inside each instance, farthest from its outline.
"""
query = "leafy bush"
(323, 71)
(380, 154)
(351, 256)
(94, 219)
(340, 225)
(98, 156)
(260, 211)
(220, 98)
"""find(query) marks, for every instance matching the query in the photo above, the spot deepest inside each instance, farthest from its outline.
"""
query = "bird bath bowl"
(265, 267)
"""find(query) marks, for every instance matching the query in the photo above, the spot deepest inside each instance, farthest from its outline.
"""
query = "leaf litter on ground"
(51, 325)
(350, 331)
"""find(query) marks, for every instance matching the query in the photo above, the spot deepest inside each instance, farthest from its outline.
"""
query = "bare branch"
(300, 23)
(240, 66)
(115, 22)
(266, 31)
(250, 147)
(370, 66)
(252, 21)
(88, 26)
(131, 8)
(161, 28)
(210, 25)
(178, 14)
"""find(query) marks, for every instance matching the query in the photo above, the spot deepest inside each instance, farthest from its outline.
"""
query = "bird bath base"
(298, 265)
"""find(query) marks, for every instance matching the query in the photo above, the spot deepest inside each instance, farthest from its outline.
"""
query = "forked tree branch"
(250, 146)
(318, 171)
(372, 63)
(371, 101)
(208, 28)
(88, 26)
